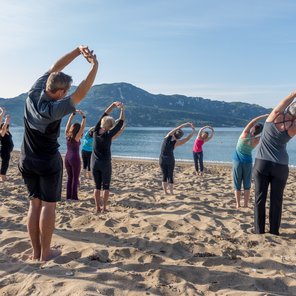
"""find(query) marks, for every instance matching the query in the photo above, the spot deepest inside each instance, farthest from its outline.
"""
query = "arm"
(107, 112)
(82, 126)
(2, 112)
(69, 123)
(117, 129)
(281, 106)
(251, 124)
(119, 133)
(201, 130)
(86, 84)
(4, 128)
(177, 128)
(183, 141)
(211, 135)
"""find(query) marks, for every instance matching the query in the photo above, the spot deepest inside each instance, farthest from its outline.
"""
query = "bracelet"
(83, 117)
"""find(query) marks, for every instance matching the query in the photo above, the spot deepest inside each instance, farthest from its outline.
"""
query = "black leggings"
(268, 173)
(86, 156)
(167, 172)
(198, 158)
(5, 156)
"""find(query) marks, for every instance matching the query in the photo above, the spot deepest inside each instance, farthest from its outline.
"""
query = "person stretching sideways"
(6, 147)
(167, 158)
(271, 163)
(202, 137)
(104, 132)
(40, 163)
(242, 159)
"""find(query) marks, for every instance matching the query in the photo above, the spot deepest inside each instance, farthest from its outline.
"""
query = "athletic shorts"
(43, 178)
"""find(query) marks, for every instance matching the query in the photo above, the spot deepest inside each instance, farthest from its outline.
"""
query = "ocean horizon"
(145, 143)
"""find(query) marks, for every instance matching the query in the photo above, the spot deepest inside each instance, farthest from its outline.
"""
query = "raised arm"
(119, 133)
(4, 127)
(117, 128)
(252, 123)
(2, 112)
(69, 123)
(171, 133)
(82, 126)
(201, 130)
(65, 60)
(281, 106)
(211, 135)
(86, 84)
(183, 141)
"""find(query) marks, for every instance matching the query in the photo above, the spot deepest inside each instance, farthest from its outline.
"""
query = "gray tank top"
(272, 145)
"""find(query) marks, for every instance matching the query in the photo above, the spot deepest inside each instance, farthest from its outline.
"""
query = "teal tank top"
(243, 151)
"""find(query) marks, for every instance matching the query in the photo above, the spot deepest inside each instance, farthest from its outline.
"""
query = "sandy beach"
(194, 242)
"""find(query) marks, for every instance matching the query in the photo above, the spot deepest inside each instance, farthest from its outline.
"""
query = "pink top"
(197, 147)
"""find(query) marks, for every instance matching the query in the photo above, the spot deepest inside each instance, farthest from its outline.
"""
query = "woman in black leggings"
(167, 159)
(271, 163)
(6, 147)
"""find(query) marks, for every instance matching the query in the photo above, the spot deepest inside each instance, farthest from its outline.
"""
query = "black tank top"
(167, 150)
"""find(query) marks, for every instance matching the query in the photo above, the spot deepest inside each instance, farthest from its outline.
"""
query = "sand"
(192, 243)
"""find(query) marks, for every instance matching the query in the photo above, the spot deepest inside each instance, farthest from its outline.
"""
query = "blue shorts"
(242, 173)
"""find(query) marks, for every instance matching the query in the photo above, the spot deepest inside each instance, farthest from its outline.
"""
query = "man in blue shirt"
(41, 163)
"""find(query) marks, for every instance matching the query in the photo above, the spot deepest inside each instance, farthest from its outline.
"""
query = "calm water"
(146, 142)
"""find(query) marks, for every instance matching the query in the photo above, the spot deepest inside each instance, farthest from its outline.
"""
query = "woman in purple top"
(72, 159)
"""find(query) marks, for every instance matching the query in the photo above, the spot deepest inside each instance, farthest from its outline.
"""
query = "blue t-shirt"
(42, 120)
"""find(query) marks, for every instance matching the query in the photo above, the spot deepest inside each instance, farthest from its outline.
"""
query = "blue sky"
(231, 50)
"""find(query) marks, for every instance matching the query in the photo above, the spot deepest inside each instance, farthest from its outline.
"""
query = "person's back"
(273, 144)
(41, 163)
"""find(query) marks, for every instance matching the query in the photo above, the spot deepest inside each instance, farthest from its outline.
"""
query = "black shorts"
(43, 178)
(102, 171)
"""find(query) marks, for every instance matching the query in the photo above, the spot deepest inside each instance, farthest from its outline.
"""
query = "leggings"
(5, 156)
(269, 173)
(198, 158)
(167, 172)
(86, 156)
(73, 170)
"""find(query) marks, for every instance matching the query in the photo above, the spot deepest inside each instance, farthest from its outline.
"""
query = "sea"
(145, 143)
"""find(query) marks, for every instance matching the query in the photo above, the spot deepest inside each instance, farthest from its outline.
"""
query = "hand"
(88, 54)
(119, 105)
(7, 118)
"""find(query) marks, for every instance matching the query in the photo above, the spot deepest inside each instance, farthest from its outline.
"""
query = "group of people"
(41, 164)
(271, 162)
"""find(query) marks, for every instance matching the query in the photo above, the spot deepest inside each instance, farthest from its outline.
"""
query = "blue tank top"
(243, 151)
(273, 144)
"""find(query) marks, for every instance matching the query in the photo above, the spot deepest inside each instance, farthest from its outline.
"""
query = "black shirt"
(102, 142)
(6, 142)
(42, 121)
(167, 151)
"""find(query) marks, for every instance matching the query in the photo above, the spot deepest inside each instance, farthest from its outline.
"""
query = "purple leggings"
(73, 167)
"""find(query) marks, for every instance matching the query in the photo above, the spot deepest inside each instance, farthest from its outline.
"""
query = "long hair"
(74, 129)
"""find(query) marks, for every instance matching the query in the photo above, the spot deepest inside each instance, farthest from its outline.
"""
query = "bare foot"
(105, 211)
(237, 206)
(53, 253)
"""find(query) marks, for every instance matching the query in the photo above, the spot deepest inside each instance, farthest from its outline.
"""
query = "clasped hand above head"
(88, 54)
(119, 105)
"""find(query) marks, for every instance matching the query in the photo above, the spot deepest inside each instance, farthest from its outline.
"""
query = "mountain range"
(150, 110)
